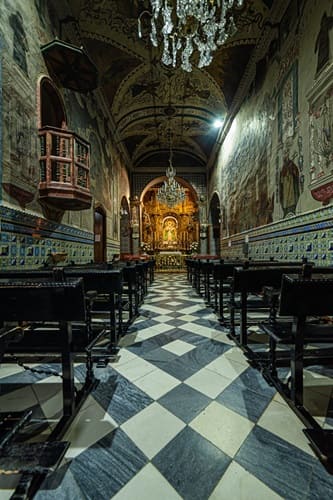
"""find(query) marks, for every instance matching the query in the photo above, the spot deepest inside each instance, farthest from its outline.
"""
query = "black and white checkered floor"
(179, 415)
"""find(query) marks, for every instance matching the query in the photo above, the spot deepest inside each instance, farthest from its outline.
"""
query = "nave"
(179, 414)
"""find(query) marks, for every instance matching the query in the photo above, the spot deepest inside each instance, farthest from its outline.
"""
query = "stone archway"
(156, 217)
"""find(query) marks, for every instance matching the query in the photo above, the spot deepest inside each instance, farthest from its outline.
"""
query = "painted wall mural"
(246, 167)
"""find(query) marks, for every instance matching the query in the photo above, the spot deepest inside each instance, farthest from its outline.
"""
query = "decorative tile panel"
(308, 235)
(27, 240)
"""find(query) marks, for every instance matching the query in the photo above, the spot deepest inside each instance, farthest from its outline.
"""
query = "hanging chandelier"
(191, 24)
(170, 193)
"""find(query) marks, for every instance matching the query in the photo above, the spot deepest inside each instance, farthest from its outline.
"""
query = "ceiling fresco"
(154, 107)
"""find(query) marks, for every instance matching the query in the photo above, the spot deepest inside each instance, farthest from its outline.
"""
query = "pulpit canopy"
(71, 65)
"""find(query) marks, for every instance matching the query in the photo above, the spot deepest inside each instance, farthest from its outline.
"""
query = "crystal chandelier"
(190, 25)
(170, 193)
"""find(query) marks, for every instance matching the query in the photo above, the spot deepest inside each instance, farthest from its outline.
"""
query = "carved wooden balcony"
(64, 169)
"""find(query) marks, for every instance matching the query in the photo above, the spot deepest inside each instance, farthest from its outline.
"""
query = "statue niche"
(169, 233)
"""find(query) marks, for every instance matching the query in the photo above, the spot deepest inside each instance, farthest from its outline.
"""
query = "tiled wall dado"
(308, 235)
(27, 240)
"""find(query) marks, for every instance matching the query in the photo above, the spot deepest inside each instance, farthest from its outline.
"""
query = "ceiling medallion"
(201, 24)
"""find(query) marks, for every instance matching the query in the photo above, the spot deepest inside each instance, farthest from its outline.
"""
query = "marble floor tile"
(119, 397)
(284, 468)
(159, 357)
(152, 429)
(208, 382)
(253, 380)
(243, 401)
(178, 347)
(191, 464)
(222, 337)
(321, 483)
(223, 427)
(184, 402)
(124, 356)
(89, 426)
(236, 354)
(189, 337)
(178, 414)
(187, 317)
(113, 461)
(61, 485)
(148, 333)
(143, 347)
(318, 403)
(148, 484)
(134, 369)
(192, 309)
(9, 369)
(199, 329)
(154, 309)
(156, 383)
(50, 398)
(22, 397)
(283, 422)
(128, 340)
(178, 369)
(238, 483)
(226, 367)
(163, 319)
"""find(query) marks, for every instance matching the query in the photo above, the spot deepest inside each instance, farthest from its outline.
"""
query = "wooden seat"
(106, 285)
(248, 284)
(306, 300)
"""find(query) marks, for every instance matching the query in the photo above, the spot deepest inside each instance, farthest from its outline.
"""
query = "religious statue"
(169, 232)
(289, 187)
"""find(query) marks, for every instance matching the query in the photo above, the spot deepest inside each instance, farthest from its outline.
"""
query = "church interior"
(166, 249)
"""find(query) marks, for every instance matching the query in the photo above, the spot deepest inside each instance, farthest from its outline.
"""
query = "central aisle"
(182, 415)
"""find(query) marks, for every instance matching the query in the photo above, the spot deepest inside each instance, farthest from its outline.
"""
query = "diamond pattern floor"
(180, 415)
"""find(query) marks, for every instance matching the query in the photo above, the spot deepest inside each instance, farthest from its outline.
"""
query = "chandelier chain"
(171, 193)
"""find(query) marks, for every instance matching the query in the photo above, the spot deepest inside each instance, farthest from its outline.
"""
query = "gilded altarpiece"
(168, 229)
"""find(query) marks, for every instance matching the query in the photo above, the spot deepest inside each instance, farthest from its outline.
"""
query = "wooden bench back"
(254, 279)
(306, 296)
(101, 280)
(40, 300)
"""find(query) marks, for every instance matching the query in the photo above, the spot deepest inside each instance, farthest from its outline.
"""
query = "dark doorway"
(215, 222)
(99, 235)
(52, 109)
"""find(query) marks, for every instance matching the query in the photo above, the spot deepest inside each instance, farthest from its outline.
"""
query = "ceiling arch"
(152, 106)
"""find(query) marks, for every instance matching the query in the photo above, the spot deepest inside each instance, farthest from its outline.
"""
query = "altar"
(170, 261)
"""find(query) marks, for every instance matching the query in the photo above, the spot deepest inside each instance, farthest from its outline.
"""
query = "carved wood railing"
(64, 164)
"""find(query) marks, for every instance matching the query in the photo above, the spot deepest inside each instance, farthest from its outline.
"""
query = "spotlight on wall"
(218, 123)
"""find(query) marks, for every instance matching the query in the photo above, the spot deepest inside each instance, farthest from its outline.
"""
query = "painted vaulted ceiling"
(149, 102)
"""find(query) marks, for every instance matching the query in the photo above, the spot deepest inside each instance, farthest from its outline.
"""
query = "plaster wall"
(24, 27)
(268, 143)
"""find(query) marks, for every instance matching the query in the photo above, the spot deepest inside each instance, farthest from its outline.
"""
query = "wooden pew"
(106, 286)
(223, 277)
(306, 300)
(248, 282)
(61, 303)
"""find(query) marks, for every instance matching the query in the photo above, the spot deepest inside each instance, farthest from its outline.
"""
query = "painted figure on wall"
(20, 43)
(323, 42)
(289, 187)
